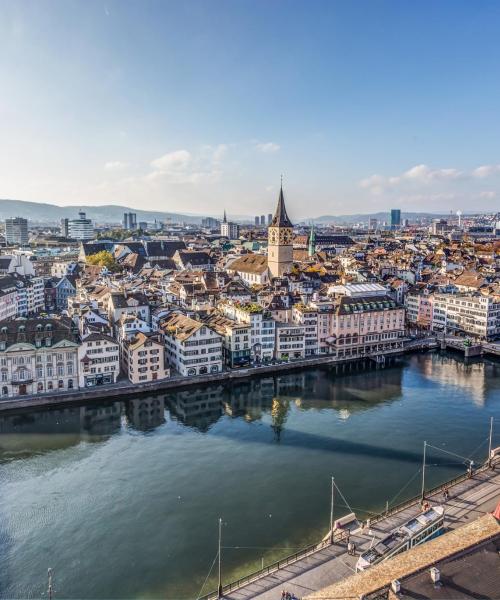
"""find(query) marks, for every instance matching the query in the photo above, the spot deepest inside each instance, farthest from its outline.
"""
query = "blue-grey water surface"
(122, 499)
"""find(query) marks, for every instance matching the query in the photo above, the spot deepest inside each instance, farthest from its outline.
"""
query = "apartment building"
(290, 341)
(476, 315)
(143, 358)
(99, 361)
(235, 339)
(307, 316)
(192, 347)
(38, 355)
(366, 320)
(262, 327)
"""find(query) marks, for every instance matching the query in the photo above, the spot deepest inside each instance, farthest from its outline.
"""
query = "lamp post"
(219, 587)
(423, 474)
(332, 501)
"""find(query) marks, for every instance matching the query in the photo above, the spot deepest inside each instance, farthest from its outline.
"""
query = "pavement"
(468, 500)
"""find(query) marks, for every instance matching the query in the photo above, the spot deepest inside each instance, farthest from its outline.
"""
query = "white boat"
(425, 526)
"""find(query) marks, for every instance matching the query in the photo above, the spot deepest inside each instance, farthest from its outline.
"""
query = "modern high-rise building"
(262, 219)
(129, 221)
(280, 241)
(257, 221)
(372, 223)
(64, 228)
(81, 228)
(16, 231)
(269, 218)
(395, 218)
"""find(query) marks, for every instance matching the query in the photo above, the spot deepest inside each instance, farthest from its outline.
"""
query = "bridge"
(468, 347)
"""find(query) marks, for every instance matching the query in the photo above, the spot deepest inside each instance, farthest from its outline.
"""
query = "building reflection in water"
(251, 399)
(200, 408)
(476, 378)
(146, 413)
(58, 428)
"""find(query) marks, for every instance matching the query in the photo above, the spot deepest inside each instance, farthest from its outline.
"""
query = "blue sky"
(196, 106)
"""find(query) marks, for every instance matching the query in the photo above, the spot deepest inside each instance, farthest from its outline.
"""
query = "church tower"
(280, 241)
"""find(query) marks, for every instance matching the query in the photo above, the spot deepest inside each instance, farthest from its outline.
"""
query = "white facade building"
(475, 315)
(192, 347)
(81, 228)
(99, 360)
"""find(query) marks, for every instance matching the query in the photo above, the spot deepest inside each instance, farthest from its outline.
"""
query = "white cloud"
(268, 147)
(115, 165)
(488, 194)
(181, 166)
(172, 162)
(419, 174)
(486, 170)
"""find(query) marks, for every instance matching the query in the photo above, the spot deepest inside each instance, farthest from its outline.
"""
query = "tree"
(103, 259)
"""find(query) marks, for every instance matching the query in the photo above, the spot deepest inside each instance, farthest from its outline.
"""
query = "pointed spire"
(312, 242)
(280, 218)
(225, 218)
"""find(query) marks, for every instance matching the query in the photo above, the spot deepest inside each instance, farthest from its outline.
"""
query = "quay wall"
(125, 388)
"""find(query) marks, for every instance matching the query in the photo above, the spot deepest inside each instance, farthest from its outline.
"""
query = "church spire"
(280, 218)
(225, 218)
(312, 242)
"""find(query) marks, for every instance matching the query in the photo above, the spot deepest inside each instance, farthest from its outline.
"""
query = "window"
(60, 384)
(5, 390)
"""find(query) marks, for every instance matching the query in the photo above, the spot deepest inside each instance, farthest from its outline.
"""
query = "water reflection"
(253, 400)
(104, 491)
(476, 378)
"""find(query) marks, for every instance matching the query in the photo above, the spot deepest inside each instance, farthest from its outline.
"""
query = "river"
(122, 499)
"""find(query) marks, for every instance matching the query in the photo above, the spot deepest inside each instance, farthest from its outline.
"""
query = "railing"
(338, 536)
(275, 566)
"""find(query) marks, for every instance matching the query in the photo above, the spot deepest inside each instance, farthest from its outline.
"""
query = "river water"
(122, 499)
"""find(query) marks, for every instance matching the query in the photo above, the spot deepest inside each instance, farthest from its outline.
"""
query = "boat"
(416, 531)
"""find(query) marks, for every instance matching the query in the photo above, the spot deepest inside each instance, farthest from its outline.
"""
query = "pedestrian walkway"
(467, 500)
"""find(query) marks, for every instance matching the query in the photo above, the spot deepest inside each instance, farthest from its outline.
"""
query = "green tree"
(103, 259)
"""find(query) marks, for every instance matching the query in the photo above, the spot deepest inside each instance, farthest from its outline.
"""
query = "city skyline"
(190, 107)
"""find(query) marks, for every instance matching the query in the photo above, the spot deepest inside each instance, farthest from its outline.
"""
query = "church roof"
(280, 218)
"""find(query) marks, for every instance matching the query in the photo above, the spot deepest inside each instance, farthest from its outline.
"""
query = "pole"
(332, 502)
(423, 473)
(491, 440)
(49, 591)
(386, 507)
(219, 589)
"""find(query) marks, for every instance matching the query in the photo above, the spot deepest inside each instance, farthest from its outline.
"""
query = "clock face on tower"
(286, 236)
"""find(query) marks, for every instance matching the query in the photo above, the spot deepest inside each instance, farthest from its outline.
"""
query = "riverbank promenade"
(124, 388)
(468, 499)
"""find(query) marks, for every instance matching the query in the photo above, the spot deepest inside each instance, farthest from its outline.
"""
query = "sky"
(196, 106)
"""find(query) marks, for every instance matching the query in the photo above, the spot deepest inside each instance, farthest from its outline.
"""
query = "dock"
(326, 564)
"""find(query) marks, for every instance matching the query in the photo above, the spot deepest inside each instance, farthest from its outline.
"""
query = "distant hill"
(380, 216)
(107, 213)
(111, 213)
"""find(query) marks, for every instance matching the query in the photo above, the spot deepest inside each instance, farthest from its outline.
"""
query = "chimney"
(435, 575)
(396, 586)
